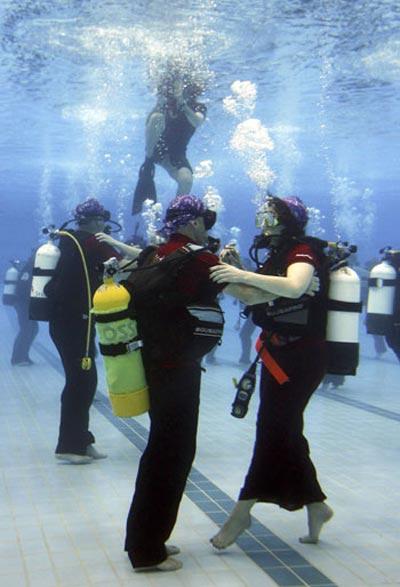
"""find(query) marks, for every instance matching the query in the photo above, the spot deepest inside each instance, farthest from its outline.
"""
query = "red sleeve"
(100, 252)
(302, 253)
(196, 275)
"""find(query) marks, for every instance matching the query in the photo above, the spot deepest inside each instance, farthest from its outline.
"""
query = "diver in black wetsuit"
(71, 330)
(169, 128)
(28, 329)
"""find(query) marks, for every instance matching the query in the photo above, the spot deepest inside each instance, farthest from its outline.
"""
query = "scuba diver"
(172, 351)
(383, 306)
(28, 329)
(290, 305)
(169, 128)
(71, 329)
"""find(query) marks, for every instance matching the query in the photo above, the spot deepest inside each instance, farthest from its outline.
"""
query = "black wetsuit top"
(67, 291)
(176, 136)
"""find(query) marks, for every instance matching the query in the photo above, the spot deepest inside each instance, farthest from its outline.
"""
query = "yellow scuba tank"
(120, 347)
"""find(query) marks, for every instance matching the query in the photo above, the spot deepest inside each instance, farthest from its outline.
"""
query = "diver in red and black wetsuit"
(292, 349)
(172, 364)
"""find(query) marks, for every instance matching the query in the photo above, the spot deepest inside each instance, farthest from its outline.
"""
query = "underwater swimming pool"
(314, 109)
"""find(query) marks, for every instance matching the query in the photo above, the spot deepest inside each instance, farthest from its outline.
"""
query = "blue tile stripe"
(337, 397)
(274, 556)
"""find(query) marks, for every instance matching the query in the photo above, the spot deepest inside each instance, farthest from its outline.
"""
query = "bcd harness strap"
(38, 272)
(379, 282)
(120, 348)
(113, 317)
(270, 364)
(340, 306)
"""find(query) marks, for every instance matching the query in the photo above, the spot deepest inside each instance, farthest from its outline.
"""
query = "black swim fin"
(145, 187)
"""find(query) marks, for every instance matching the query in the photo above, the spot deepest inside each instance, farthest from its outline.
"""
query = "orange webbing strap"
(270, 364)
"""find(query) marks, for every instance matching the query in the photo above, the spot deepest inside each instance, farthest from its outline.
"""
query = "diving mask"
(266, 218)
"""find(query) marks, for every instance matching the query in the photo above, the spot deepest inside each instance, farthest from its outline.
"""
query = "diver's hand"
(314, 286)
(161, 102)
(225, 273)
(102, 237)
(230, 255)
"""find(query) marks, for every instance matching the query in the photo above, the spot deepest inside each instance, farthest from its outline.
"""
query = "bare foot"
(237, 523)
(170, 564)
(318, 514)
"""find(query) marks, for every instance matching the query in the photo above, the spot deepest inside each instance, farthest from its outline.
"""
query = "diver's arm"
(129, 251)
(298, 280)
(195, 118)
(155, 126)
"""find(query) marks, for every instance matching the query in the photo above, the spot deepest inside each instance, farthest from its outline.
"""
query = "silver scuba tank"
(10, 283)
(46, 260)
(342, 330)
(381, 296)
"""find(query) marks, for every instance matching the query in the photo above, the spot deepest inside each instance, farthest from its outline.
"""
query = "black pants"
(281, 470)
(69, 336)
(165, 463)
(28, 330)
(379, 344)
(393, 340)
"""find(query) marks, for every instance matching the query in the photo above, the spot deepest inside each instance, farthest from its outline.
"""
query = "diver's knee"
(184, 177)
(156, 121)
(155, 117)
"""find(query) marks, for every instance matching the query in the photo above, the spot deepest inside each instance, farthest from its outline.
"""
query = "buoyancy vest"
(171, 322)
(302, 317)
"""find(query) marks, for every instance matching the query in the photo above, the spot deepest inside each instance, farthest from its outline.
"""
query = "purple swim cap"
(182, 210)
(297, 209)
(90, 209)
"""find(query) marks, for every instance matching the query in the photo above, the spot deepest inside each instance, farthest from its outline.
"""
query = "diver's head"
(188, 215)
(282, 217)
(91, 216)
(170, 83)
(192, 89)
